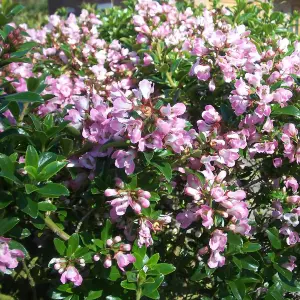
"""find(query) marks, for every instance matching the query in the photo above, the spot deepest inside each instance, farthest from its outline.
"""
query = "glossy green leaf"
(32, 157)
(164, 168)
(6, 224)
(27, 205)
(50, 170)
(128, 285)
(46, 206)
(273, 235)
(59, 246)
(164, 268)
(23, 97)
(53, 190)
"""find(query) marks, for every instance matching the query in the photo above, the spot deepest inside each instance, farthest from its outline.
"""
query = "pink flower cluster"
(8, 257)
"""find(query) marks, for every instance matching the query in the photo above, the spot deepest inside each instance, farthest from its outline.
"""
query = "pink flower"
(237, 195)
(124, 159)
(242, 227)
(290, 265)
(71, 274)
(295, 199)
(277, 162)
(206, 213)
(290, 130)
(146, 88)
(292, 183)
(216, 260)
(241, 87)
(144, 234)
(210, 115)
(123, 260)
(239, 210)
(8, 257)
(218, 240)
(177, 110)
(186, 218)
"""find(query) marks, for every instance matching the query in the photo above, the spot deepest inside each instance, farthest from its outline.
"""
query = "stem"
(82, 220)
(30, 279)
(51, 225)
(138, 294)
(172, 83)
(22, 115)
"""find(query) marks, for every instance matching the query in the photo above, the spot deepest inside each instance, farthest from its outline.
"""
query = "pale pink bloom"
(124, 159)
(123, 260)
(290, 130)
(144, 234)
(242, 227)
(210, 115)
(146, 88)
(241, 87)
(8, 257)
(268, 126)
(237, 195)
(282, 96)
(71, 274)
(186, 218)
(277, 162)
(218, 194)
(295, 199)
(292, 183)
(239, 210)
(216, 260)
(174, 111)
(218, 240)
(283, 44)
(290, 265)
(206, 214)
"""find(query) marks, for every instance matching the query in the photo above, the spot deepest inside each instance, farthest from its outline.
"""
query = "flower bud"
(109, 242)
(57, 266)
(96, 257)
(145, 203)
(125, 247)
(117, 239)
(107, 263)
(81, 261)
(203, 251)
(110, 192)
(60, 271)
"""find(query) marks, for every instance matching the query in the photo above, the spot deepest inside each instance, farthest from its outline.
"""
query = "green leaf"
(23, 97)
(53, 190)
(6, 224)
(32, 84)
(5, 199)
(46, 206)
(105, 233)
(164, 168)
(32, 172)
(237, 288)
(31, 158)
(273, 235)
(59, 246)
(114, 273)
(45, 159)
(6, 165)
(50, 170)
(94, 295)
(287, 110)
(249, 263)
(235, 242)
(149, 288)
(148, 156)
(30, 188)
(284, 272)
(251, 247)
(153, 260)
(73, 244)
(164, 268)
(128, 285)
(27, 205)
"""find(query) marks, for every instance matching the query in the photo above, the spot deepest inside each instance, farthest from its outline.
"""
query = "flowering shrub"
(153, 140)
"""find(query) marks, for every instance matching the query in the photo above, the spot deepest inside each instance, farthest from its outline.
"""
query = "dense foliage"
(150, 151)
